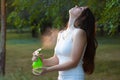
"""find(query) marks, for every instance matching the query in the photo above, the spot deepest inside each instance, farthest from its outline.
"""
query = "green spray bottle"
(37, 64)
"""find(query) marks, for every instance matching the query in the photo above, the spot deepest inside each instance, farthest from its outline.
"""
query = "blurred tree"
(17, 16)
(3, 38)
(37, 15)
(110, 16)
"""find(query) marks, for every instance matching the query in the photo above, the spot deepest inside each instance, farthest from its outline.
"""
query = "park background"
(29, 20)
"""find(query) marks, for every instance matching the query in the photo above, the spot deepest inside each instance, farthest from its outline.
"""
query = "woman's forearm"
(61, 67)
(50, 61)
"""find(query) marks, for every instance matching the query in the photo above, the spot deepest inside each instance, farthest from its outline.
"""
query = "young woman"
(75, 48)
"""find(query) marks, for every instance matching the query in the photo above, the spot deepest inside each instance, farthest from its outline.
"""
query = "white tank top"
(63, 51)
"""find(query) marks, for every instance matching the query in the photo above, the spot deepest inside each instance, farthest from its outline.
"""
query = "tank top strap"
(72, 34)
(59, 35)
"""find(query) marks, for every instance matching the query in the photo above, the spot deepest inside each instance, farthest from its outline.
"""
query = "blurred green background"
(28, 20)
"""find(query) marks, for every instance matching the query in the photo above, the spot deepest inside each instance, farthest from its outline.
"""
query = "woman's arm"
(51, 61)
(79, 43)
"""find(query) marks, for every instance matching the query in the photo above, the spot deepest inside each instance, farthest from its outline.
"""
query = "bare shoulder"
(79, 32)
(79, 35)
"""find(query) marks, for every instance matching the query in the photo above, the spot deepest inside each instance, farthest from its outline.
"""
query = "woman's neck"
(71, 23)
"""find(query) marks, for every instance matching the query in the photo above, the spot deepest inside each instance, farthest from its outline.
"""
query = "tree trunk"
(34, 33)
(3, 37)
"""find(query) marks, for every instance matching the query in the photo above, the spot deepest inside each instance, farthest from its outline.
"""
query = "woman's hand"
(44, 70)
(40, 71)
(35, 56)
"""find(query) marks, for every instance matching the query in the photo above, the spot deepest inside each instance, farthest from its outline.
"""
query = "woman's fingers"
(43, 70)
(39, 71)
(41, 56)
(35, 72)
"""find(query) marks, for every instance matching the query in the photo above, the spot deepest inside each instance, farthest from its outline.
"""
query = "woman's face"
(76, 11)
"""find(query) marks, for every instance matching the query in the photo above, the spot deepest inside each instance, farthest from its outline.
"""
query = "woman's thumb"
(41, 56)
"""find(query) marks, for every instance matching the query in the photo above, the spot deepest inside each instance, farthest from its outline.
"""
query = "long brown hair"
(86, 21)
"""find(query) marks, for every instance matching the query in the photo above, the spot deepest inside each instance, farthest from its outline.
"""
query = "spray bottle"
(37, 64)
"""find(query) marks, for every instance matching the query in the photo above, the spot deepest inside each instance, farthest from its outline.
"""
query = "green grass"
(19, 53)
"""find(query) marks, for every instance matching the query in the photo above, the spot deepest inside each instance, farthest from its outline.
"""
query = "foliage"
(35, 14)
(110, 16)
